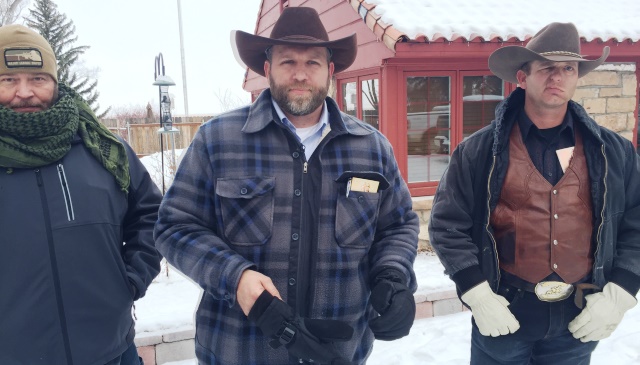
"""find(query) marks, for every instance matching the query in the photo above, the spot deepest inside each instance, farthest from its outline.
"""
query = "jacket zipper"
(306, 261)
(307, 252)
(303, 253)
(495, 245)
(604, 199)
(66, 193)
(54, 267)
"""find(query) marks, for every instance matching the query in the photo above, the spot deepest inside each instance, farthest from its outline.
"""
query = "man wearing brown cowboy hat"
(270, 214)
(537, 219)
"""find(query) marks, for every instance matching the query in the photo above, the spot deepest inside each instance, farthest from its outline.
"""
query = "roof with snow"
(496, 20)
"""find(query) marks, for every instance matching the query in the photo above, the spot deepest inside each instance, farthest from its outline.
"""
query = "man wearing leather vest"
(537, 219)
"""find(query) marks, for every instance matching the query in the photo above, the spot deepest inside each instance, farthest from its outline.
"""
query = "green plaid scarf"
(37, 139)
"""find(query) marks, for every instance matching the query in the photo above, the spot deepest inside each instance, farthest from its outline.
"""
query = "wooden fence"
(145, 139)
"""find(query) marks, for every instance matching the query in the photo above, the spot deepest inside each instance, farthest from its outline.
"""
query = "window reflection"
(370, 102)
(349, 99)
(481, 95)
(428, 127)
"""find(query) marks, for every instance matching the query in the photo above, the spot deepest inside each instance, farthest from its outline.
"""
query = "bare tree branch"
(371, 94)
(229, 100)
(10, 10)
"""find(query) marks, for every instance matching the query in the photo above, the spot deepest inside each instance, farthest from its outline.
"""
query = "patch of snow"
(170, 304)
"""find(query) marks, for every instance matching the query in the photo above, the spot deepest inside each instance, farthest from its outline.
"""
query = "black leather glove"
(396, 306)
(307, 339)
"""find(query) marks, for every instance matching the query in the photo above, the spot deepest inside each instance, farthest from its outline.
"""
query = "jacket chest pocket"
(357, 211)
(246, 206)
(356, 217)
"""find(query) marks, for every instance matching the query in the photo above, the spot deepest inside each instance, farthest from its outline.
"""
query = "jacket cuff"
(260, 306)
(626, 279)
(390, 274)
(466, 279)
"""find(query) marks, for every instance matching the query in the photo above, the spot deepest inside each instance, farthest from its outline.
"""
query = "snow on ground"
(170, 303)
(154, 163)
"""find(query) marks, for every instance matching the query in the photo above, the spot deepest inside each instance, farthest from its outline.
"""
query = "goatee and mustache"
(27, 104)
(300, 105)
(35, 102)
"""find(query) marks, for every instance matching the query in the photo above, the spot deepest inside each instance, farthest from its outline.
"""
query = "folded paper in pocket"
(363, 185)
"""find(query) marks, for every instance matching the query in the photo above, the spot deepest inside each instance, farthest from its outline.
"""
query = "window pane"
(481, 95)
(428, 127)
(370, 102)
(349, 99)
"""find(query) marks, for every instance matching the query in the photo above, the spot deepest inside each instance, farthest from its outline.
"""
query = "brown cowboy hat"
(558, 42)
(297, 26)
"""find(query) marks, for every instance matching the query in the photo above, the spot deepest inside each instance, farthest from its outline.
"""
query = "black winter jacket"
(67, 282)
(459, 228)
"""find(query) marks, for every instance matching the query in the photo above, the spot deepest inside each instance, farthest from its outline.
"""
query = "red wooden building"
(425, 92)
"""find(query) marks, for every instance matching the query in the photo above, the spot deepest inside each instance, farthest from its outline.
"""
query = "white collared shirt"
(310, 137)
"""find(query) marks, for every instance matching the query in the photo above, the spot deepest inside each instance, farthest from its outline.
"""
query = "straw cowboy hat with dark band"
(557, 42)
(297, 26)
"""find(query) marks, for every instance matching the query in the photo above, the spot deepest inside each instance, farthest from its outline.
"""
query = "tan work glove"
(490, 311)
(602, 314)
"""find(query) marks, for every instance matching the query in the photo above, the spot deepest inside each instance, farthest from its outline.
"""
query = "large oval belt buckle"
(553, 291)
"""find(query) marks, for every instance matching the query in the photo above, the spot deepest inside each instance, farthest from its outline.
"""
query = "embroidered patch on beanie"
(22, 57)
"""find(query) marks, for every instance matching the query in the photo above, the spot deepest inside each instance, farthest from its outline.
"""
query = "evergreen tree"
(61, 35)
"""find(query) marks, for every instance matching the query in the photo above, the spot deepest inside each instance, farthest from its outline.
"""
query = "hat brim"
(249, 49)
(505, 62)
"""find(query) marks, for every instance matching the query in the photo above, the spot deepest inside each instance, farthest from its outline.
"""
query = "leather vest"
(540, 228)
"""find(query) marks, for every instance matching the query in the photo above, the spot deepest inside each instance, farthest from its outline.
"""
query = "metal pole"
(173, 152)
(160, 68)
(184, 69)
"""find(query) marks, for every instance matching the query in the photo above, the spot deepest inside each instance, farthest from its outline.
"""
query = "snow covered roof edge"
(395, 21)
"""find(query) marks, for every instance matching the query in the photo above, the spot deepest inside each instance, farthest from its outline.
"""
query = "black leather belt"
(516, 282)
(550, 291)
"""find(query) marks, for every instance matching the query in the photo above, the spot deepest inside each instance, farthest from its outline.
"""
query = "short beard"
(26, 104)
(43, 106)
(298, 106)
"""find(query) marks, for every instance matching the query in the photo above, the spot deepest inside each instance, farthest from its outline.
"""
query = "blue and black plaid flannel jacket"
(236, 204)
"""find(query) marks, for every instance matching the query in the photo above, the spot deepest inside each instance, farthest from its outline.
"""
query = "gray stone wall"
(422, 206)
(609, 95)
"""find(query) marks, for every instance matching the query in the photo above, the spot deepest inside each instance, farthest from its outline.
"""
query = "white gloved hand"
(602, 314)
(490, 311)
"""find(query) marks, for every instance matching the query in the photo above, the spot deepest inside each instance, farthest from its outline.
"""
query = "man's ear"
(267, 65)
(521, 76)
(331, 69)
